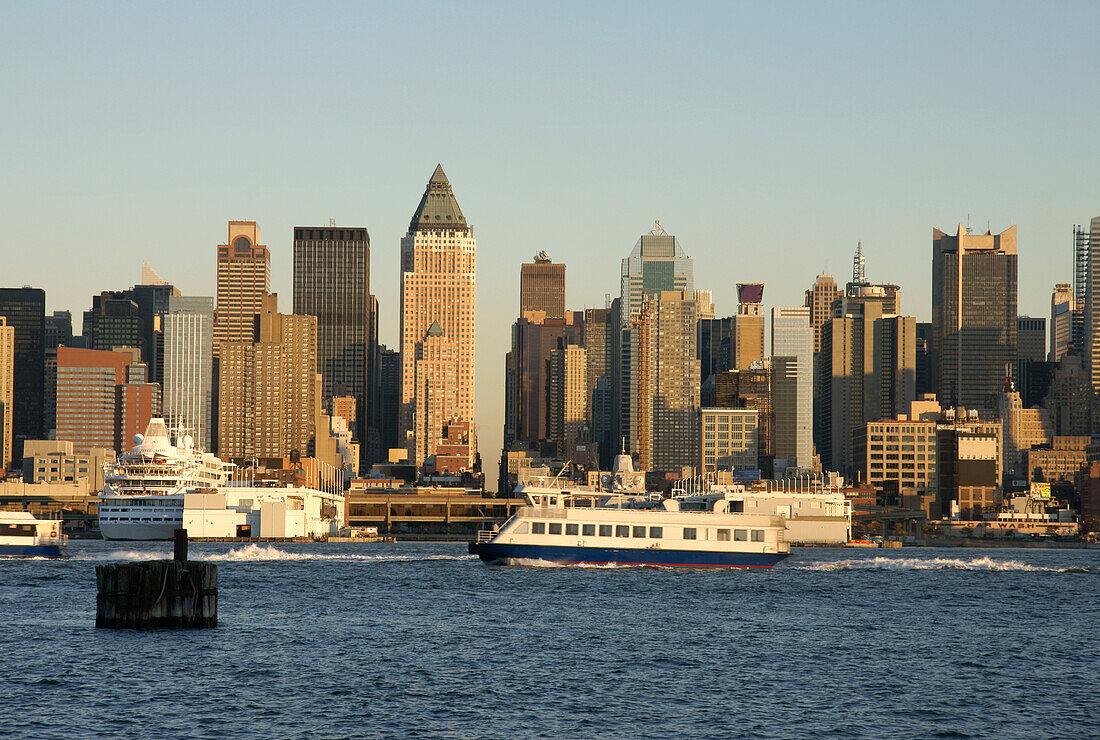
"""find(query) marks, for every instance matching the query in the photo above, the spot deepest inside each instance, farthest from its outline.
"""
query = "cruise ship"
(627, 526)
(164, 483)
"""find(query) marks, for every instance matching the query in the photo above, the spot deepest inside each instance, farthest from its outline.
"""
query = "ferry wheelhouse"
(24, 536)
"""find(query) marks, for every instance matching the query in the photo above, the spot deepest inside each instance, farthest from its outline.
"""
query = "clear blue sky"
(768, 137)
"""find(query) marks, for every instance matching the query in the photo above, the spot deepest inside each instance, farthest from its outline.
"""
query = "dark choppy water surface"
(421, 640)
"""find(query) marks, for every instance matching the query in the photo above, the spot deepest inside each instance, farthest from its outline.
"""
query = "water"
(421, 640)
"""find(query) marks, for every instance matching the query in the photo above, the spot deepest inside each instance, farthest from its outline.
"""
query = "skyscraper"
(1031, 338)
(600, 326)
(1061, 321)
(244, 278)
(792, 385)
(748, 326)
(332, 282)
(438, 269)
(1092, 307)
(1080, 286)
(188, 366)
(542, 287)
(267, 387)
(868, 372)
(103, 398)
(657, 263)
(665, 382)
(568, 396)
(822, 300)
(7, 390)
(25, 310)
(973, 315)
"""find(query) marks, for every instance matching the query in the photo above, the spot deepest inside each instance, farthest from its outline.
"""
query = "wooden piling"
(157, 593)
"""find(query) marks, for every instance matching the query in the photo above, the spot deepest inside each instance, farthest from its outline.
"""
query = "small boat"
(23, 536)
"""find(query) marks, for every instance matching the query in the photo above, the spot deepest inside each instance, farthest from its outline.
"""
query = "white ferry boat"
(24, 536)
(164, 484)
(628, 527)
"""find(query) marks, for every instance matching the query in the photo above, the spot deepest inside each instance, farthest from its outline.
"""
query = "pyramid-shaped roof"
(438, 208)
(435, 330)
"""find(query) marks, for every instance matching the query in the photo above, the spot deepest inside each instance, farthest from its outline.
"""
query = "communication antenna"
(657, 230)
(859, 265)
(331, 222)
(968, 223)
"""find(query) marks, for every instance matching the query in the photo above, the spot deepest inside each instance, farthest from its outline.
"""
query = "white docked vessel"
(626, 526)
(164, 484)
(24, 536)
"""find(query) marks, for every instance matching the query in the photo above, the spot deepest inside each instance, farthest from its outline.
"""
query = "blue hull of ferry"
(489, 552)
(31, 551)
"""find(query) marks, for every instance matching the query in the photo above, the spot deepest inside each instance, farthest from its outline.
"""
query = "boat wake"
(985, 563)
(253, 553)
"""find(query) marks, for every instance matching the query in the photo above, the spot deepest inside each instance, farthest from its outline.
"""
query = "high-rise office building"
(1092, 306)
(751, 389)
(973, 315)
(1031, 338)
(747, 341)
(665, 383)
(868, 372)
(268, 387)
(332, 282)
(7, 391)
(534, 338)
(1080, 287)
(59, 330)
(25, 310)
(715, 346)
(792, 385)
(657, 263)
(1061, 321)
(438, 269)
(599, 329)
(386, 400)
(244, 278)
(568, 410)
(924, 359)
(542, 287)
(59, 333)
(103, 398)
(114, 321)
(823, 300)
(188, 367)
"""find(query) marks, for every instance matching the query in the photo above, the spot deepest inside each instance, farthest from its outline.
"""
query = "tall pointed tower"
(438, 266)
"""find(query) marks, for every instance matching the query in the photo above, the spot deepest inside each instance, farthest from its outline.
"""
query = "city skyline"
(715, 146)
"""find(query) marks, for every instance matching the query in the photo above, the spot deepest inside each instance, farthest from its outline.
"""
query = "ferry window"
(555, 528)
(538, 528)
(605, 530)
(689, 533)
(656, 532)
(737, 507)
(723, 535)
(757, 535)
(572, 529)
(740, 535)
(553, 501)
(621, 530)
(639, 531)
(589, 530)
